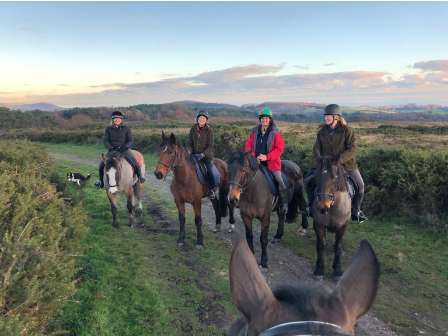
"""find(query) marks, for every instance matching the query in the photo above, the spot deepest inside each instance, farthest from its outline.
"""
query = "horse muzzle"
(159, 175)
(113, 190)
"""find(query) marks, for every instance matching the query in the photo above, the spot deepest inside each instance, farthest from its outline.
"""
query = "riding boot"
(211, 181)
(138, 171)
(357, 214)
(100, 182)
(310, 193)
(283, 200)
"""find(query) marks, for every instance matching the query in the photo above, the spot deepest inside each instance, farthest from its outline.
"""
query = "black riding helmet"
(202, 113)
(332, 109)
(116, 114)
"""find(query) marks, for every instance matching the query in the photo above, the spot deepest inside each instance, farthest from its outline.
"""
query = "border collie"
(77, 177)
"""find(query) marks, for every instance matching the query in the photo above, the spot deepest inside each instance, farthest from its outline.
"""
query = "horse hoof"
(318, 277)
(139, 213)
(199, 247)
(301, 232)
(115, 225)
(180, 244)
(276, 240)
(263, 270)
(231, 229)
(337, 277)
(216, 229)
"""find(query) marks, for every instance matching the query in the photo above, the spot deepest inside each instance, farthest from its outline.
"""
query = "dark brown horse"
(331, 210)
(303, 310)
(250, 190)
(186, 187)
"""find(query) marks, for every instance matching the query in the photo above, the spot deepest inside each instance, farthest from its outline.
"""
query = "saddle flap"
(273, 185)
(201, 171)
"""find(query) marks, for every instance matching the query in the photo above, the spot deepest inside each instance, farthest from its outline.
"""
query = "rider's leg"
(283, 193)
(129, 154)
(100, 182)
(357, 199)
(211, 179)
(310, 186)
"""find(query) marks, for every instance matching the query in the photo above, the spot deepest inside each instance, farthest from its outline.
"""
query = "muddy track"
(284, 265)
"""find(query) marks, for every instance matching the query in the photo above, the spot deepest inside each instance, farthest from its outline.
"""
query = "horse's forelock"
(239, 156)
(304, 299)
(111, 163)
(325, 163)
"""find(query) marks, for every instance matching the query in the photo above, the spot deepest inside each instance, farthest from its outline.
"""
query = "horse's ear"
(172, 139)
(335, 159)
(229, 150)
(316, 155)
(248, 153)
(103, 157)
(163, 135)
(250, 292)
(358, 286)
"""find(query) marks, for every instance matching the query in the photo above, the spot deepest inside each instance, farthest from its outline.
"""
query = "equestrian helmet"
(332, 109)
(202, 113)
(116, 114)
(265, 113)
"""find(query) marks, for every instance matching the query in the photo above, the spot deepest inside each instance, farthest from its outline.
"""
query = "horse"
(249, 189)
(301, 309)
(119, 177)
(186, 187)
(331, 210)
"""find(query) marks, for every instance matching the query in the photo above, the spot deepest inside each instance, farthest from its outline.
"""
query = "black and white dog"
(77, 177)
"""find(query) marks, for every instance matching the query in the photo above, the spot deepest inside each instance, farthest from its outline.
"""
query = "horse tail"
(291, 215)
(223, 201)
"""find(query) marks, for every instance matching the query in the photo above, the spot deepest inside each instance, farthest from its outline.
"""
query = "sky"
(127, 53)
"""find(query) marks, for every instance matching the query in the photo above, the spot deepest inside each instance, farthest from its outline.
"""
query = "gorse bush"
(40, 239)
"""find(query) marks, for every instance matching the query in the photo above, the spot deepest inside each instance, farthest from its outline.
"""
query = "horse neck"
(183, 174)
(252, 186)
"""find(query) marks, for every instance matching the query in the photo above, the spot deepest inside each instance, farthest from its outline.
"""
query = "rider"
(267, 146)
(333, 138)
(118, 138)
(200, 144)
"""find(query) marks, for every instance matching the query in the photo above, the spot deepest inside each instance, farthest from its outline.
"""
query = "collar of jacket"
(117, 126)
(196, 126)
(324, 128)
(273, 130)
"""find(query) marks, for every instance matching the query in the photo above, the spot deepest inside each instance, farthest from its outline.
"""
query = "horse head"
(327, 181)
(112, 172)
(238, 163)
(167, 156)
(304, 308)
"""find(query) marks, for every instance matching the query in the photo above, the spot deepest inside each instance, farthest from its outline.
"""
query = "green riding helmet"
(332, 109)
(265, 113)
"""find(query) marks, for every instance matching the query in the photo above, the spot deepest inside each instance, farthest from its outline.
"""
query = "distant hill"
(45, 107)
(285, 108)
(197, 104)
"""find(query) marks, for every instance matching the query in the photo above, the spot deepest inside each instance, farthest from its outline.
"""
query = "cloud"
(436, 65)
(302, 67)
(329, 64)
(63, 85)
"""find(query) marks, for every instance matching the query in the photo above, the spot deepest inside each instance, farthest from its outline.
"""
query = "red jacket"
(275, 145)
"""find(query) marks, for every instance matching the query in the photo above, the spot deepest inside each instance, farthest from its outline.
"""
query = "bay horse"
(119, 177)
(301, 309)
(186, 187)
(331, 210)
(249, 189)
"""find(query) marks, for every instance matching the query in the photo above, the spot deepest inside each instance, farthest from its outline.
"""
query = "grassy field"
(129, 275)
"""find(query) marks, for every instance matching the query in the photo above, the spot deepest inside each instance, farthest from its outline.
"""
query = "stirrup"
(98, 184)
(142, 179)
(283, 208)
(361, 217)
(211, 194)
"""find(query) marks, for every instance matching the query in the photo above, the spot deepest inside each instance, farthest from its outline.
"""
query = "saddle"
(273, 185)
(116, 155)
(201, 171)
(352, 186)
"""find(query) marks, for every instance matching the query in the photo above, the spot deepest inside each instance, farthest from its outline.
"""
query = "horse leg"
(338, 245)
(130, 205)
(280, 228)
(138, 190)
(249, 234)
(113, 206)
(198, 222)
(265, 222)
(320, 247)
(302, 205)
(231, 217)
(181, 208)
(217, 209)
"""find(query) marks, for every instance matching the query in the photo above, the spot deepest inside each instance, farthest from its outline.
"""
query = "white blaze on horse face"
(166, 147)
(112, 182)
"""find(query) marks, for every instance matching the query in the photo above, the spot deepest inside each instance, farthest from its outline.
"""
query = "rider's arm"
(106, 140)
(129, 139)
(190, 142)
(350, 146)
(250, 141)
(318, 146)
(208, 151)
(277, 148)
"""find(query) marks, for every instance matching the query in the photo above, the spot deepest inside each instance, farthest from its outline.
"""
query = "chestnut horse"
(331, 210)
(119, 177)
(250, 189)
(301, 309)
(186, 187)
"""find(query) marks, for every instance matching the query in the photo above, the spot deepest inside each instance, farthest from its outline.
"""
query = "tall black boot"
(100, 182)
(283, 201)
(138, 171)
(357, 214)
(211, 181)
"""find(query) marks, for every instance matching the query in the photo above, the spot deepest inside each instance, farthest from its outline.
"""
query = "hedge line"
(40, 237)
(400, 182)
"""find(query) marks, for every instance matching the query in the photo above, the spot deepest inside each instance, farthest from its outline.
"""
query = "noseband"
(304, 328)
(244, 187)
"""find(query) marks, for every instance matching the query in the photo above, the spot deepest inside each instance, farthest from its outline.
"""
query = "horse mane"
(240, 156)
(167, 141)
(304, 299)
(325, 162)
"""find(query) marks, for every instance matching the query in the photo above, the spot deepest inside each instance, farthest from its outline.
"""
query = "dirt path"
(284, 265)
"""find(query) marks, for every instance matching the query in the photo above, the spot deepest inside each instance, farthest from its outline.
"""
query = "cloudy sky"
(121, 54)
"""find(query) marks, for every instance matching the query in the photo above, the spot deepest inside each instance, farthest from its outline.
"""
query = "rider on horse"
(267, 144)
(118, 138)
(332, 138)
(200, 144)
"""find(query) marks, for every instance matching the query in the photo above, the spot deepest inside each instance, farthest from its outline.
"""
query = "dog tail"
(88, 176)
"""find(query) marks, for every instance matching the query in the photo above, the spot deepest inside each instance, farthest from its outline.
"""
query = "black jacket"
(118, 136)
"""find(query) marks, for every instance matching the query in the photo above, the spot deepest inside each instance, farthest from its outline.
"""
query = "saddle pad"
(140, 163)
(352, 186)
(273, 185)
(202, 172)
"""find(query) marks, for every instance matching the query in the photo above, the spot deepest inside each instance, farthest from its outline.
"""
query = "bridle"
(244, 185)
(117, 176)
(304, 328)
(171, 166)
(335, 188)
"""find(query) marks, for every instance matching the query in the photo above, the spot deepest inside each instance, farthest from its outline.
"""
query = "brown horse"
(331, 210)
(186, 187)
(250, 190)
(120, 178)
(301, 310)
